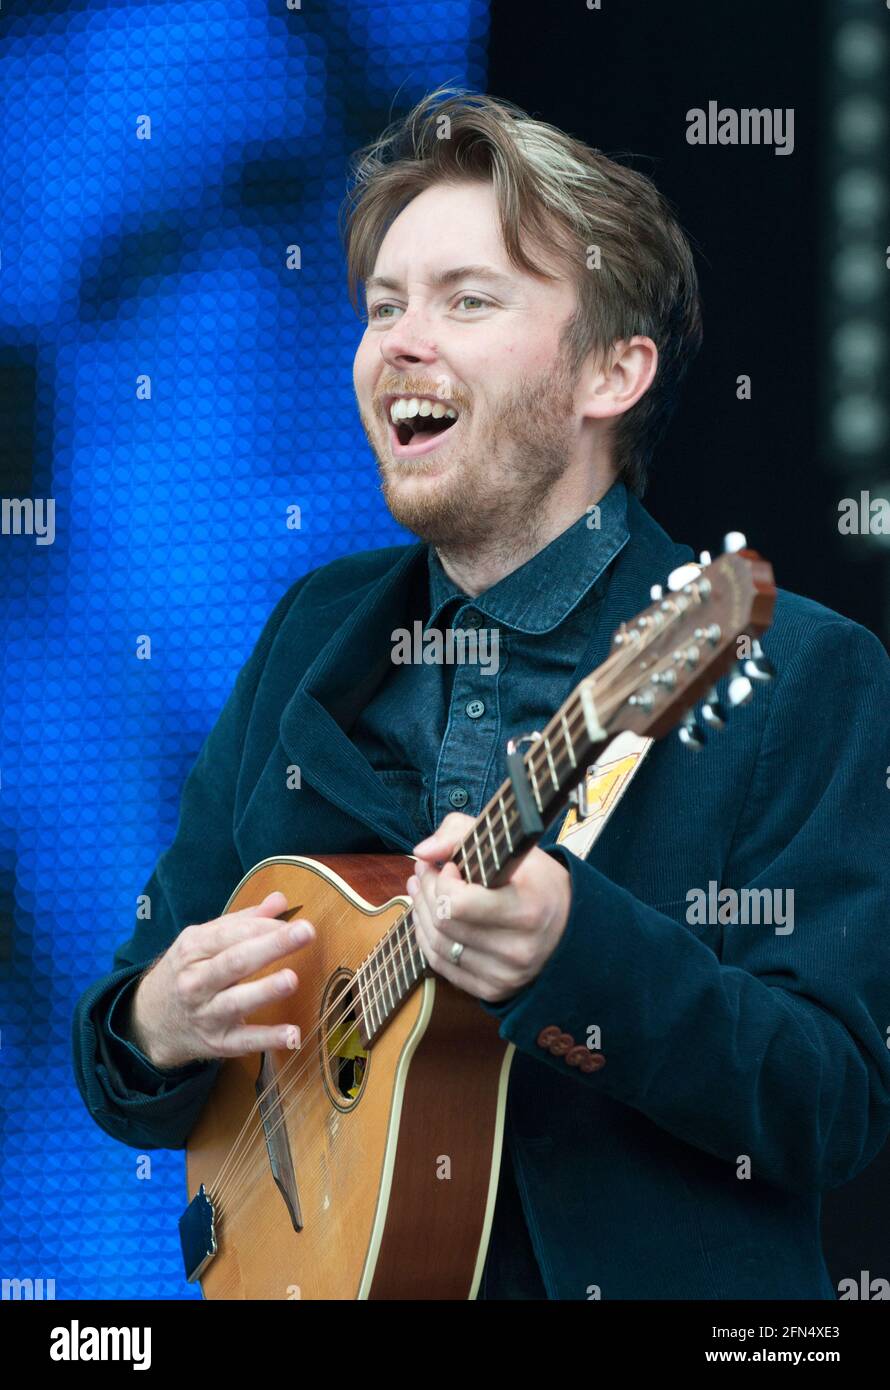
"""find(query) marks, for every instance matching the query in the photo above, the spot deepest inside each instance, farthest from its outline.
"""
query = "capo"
(529, 818)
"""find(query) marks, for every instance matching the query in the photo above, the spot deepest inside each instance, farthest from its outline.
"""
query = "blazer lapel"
(335, 688)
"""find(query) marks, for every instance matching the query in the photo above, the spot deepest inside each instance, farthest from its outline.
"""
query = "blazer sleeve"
(777, 1047)
(128, 1097)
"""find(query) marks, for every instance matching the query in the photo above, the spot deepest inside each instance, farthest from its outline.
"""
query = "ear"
(615, 382)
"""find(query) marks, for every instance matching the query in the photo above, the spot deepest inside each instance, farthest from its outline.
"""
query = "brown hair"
(560, 194)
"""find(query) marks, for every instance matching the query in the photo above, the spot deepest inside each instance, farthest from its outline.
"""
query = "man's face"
(483, 343)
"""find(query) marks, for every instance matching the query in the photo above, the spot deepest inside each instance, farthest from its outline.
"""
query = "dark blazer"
(747, 1070)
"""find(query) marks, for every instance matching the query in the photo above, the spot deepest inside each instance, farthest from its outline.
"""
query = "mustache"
(443, 389)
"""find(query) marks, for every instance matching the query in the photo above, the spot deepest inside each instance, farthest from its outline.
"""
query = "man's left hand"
(507, 933)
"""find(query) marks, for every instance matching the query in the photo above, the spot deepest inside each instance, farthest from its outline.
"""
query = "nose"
(406, 344)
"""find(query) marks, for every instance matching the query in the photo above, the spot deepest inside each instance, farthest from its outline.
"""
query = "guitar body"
(386, 1185)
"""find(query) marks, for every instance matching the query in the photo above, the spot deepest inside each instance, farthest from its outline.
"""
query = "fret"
(506, 821)
(570, 748)
(494, 848)
(407, 921)
(361, 999)
(530, 764)
(546, 742)
(380, 983)
(375, 1007)
(479, 856)
(420, 956)
(399, 925)
(388, 941)
(463, 850)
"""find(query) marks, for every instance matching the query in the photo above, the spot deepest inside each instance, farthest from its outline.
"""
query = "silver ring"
(456, 952)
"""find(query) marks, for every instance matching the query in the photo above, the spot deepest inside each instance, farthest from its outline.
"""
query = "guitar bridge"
(197, 1234)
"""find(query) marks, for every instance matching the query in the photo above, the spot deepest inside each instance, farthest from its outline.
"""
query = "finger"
(207, 938)
(474, 904)
(234, 1004)
(246, 957)
(227, 931)
(442, 930)
(249, 1038)
(272, 905)
(472, 975)
(442, 844)
(419, 897)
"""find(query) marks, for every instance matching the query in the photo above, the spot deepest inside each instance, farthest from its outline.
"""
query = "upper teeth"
(406, 407)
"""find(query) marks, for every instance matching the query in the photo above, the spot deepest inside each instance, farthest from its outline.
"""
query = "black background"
(622, 80)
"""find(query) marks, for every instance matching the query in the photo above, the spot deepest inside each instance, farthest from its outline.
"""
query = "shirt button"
(475, 709)
(458, 797)
(471, 618)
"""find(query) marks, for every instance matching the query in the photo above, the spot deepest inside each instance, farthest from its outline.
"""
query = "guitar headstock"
(706, 622)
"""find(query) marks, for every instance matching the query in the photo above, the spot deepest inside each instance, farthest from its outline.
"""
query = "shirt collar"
(540, 594)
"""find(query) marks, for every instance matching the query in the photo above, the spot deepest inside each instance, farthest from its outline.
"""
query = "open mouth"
(417, 421)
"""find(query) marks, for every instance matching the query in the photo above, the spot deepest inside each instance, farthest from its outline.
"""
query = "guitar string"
(407, 919)
(614, 666)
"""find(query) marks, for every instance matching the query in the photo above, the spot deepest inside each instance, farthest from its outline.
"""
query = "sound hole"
(345, 1060)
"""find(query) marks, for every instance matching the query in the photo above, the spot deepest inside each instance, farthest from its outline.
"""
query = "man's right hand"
(191, 1004)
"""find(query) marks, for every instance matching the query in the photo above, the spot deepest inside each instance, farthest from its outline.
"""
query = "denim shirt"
(436, 732)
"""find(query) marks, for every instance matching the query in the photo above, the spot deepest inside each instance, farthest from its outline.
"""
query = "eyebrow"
(443, 278)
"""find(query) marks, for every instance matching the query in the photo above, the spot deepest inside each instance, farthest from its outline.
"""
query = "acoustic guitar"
(365, 1162)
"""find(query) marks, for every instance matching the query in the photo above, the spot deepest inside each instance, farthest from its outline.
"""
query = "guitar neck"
(555, 762)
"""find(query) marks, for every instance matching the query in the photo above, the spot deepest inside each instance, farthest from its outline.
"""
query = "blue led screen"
(176, 395)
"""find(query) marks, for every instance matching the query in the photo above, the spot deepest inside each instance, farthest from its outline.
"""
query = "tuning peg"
(691, 734)
(704, 558)
(758, 666)
(656, 592)
(713, 711)
(739, 689)
(682, 575)
(733, 541)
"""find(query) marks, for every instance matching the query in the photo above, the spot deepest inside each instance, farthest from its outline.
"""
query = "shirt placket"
(471, 736)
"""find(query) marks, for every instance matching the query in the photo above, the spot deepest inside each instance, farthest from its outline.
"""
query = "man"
(531, 308)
